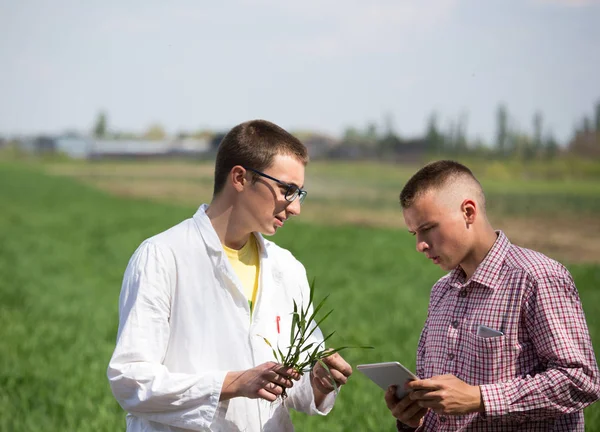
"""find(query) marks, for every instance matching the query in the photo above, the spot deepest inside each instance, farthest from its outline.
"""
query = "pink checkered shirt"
(541, 373)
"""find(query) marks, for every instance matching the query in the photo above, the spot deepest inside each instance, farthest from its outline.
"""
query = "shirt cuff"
(328, 401)
(210, 410)
(303, 398)
(327, 404)
(494, 401)
(403, 427)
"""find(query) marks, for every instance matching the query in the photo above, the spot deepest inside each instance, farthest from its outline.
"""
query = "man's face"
(440, 229)
(265, 200)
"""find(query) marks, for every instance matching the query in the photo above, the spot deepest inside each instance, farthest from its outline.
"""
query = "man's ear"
(469, 210)
(238, 179)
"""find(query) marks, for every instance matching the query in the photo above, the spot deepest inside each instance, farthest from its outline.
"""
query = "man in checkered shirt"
(505, 346)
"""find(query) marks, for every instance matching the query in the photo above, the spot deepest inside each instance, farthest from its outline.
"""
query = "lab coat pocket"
(270, 336)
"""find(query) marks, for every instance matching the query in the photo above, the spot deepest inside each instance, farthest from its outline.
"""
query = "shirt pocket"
(484, 360)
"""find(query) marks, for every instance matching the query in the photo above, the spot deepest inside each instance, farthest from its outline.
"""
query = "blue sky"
(316, 64)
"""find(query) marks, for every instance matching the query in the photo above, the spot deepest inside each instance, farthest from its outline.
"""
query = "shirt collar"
(488, 271)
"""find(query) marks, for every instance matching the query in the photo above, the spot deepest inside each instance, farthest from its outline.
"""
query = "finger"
(324, 383)
(271, 365)
(394, 404)
(426, 384)
(264, 394)
(405, 409)
(431, 404)
(337, 362)
(287, 372)
(424, 395)
(329, 381)
(280, 380)
(416, 419)
(323, 387)
(390, 397)
(339, 378)
(410, 412)
(343, 367)
(274, 388)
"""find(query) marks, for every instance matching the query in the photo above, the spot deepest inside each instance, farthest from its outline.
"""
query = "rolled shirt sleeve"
(301, 398)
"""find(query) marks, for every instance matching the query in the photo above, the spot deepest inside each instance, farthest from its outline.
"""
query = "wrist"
(230, 388)
(477, 405)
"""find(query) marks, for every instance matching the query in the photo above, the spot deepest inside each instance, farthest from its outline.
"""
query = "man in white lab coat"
(197, 300)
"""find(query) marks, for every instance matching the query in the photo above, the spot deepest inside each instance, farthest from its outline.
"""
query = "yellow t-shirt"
(246, 264)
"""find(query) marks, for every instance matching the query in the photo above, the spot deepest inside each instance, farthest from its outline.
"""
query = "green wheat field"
(63, 250)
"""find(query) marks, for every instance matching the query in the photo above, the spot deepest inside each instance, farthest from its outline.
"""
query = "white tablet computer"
(387, 374)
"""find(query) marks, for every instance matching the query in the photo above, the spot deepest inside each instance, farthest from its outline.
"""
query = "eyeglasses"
(292, 192)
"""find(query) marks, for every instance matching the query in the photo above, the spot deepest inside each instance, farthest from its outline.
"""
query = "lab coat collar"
(211, 239)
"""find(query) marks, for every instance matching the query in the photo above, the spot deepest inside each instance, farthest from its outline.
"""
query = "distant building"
(149, 149)
(74, 146)
(39, 145)
(78, 147)
(128, 149)
(190, 146)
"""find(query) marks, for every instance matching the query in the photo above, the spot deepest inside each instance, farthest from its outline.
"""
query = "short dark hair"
(254, 144)
(433, 176)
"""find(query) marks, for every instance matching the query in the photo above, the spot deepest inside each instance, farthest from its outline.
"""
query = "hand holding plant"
(302, 355)
(337, 374)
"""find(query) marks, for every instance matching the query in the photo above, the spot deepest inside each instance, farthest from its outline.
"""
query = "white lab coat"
(184, 322)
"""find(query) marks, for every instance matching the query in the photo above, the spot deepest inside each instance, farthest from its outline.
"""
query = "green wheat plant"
(302, 355)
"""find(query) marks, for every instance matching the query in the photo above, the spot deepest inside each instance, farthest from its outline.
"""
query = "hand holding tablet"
(387, 374)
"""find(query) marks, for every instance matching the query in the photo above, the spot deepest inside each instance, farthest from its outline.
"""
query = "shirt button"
(455, 323)
(451, 356)
(463, 293)
(443, 419)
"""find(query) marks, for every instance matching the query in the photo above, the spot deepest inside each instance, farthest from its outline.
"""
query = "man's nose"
(294, 208)
(422, 246)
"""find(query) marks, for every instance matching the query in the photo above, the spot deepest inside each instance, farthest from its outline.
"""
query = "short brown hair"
(254, 144)
(434, 176)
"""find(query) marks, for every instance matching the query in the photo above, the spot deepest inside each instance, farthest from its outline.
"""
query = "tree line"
(382, 141)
